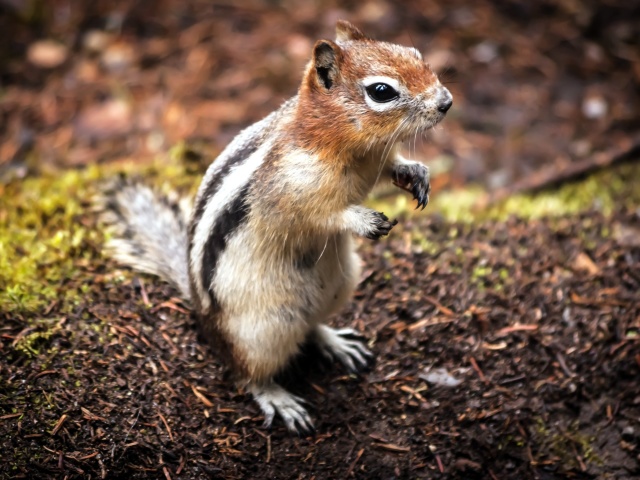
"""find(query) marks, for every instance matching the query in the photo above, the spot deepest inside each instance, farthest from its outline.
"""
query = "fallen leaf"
(584, 262)
(47, 54)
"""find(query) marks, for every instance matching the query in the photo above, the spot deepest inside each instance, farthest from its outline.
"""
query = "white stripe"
(237, 178)
(243, 139)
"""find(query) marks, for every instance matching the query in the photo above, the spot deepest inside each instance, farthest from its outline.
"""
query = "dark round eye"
(381, 92)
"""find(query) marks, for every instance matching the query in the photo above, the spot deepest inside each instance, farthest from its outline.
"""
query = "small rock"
(499, 178)
(626, 234)
(463, 17)
(96, 40)
(581, 148)
(439, 59)
(47, 54)
(594, 107)
(374, 11)
(86, 71)
(440, 376)
(118, 57)
(105, 120)
(584, 262)
(484, 52)
(628, 433)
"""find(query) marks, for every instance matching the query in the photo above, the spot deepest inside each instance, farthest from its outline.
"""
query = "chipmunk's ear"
(347, 31)
(326, 61)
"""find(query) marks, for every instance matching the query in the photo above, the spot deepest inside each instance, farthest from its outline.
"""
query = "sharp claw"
(268, 421)
(350, 334)
(300, 427)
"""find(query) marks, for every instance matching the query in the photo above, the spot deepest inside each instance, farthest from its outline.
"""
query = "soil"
(505, 349)
(538, 321)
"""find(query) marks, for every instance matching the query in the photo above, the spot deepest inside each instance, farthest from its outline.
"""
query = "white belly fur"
(270, 305)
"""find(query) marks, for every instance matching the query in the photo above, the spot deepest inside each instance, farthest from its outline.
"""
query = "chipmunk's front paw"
(380, 225)
(414, 178)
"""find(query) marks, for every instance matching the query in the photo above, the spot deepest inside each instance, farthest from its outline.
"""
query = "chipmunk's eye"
(381, 92)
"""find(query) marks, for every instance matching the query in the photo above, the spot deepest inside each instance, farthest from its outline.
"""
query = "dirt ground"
(537, 321)
(506, 348)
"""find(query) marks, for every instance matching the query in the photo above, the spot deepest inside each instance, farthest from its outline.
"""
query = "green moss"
(40, 236)
(601, 191)
(48, 235)
(32, 344)
(504, 274)
(564, 443)
(480, 272)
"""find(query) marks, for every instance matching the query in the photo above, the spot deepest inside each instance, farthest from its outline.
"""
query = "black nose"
(445, 105)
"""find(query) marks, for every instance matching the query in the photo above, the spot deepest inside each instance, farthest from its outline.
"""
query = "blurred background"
(538, 86)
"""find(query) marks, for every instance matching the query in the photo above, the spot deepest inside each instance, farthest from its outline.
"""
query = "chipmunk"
(266, 255)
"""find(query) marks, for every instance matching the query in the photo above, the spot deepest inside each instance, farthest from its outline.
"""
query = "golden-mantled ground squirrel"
(265, 254)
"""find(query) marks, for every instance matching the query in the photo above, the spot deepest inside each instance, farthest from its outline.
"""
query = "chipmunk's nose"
(445, 101)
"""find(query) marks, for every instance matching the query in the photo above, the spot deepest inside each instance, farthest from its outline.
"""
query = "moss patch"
(601, 191)
(49, 243)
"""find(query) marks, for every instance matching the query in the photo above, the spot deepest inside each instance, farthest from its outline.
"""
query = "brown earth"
(539, 321)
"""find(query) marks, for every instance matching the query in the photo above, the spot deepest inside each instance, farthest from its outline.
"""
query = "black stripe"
(216, 182)
(224, 226)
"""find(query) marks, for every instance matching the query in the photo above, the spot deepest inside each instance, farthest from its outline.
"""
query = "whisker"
(335, 243)
(415, 140)
(389, 147)
(322, 252)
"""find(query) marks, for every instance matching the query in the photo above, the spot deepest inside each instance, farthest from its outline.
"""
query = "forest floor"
(506, 330)
(507, 347)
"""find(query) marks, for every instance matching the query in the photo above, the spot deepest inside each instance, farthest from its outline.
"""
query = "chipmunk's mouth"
(421, 126)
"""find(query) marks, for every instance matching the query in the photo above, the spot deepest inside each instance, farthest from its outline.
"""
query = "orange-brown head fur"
(337, 118)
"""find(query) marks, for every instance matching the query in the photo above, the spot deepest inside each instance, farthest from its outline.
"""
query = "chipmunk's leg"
(272, 398)
(345, 344)
(259, 362)
(263, 341)
(413, 177)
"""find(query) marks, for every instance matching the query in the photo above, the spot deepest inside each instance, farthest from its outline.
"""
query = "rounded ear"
(326, 61)
(347, 31)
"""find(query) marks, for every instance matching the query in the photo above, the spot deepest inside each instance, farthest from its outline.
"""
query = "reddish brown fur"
(339, 140)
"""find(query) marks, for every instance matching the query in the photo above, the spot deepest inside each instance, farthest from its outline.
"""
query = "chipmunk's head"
(374, 92)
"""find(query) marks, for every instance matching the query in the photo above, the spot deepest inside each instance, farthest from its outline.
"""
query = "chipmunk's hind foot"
(273, 399)
(346, 345)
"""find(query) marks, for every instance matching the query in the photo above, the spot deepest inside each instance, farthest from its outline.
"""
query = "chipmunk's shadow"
(310, 367)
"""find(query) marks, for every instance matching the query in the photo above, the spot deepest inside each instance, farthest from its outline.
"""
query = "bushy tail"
(149, 230)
